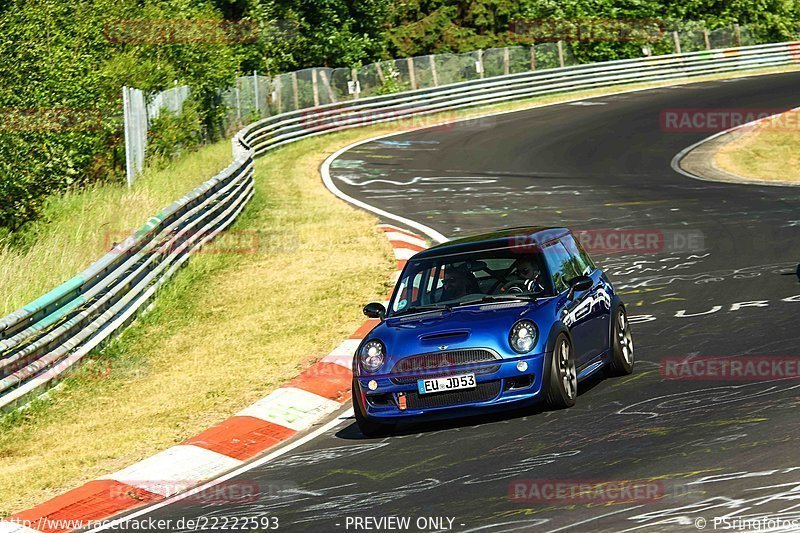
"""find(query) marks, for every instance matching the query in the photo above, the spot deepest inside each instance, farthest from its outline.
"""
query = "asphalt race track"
(722, 284)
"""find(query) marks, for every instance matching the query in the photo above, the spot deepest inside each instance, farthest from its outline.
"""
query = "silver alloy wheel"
(566, 368)
(624, 337)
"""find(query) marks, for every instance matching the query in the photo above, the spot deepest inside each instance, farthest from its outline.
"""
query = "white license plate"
(465, 381)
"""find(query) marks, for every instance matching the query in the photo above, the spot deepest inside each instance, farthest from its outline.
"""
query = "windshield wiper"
(501, 298)
(421, 308)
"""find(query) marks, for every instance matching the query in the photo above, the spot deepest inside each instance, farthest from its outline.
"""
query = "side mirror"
(375, 310)
(579, 284)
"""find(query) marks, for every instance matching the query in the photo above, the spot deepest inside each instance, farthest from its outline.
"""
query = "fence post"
(315, 86)
(533, 57)
(432, 60)
(677, 40)
(327, 84)
(707, 40)
(412, 76)
(126, 111)
(295, 91)
(255, 93)
(379, 70)
(479, 63)
(354, 79)
(737, 32)
(560, 45)
(238, 102)
(277, 83)
(505, 61)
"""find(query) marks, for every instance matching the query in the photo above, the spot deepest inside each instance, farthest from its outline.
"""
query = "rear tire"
(562, 389)
(622, 359)
(367, 426)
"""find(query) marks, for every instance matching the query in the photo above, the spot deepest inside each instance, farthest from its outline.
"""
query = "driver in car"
(529, 276)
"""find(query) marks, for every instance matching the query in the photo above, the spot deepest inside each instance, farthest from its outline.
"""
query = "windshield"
(462, 279)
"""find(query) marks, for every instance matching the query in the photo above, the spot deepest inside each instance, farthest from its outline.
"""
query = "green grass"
(771, 152)
(225, 331)
(79, 227)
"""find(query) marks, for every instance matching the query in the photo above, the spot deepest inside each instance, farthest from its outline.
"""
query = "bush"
(171, 134)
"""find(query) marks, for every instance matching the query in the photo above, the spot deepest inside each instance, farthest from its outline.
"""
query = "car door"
(581, 314)
(597, 299)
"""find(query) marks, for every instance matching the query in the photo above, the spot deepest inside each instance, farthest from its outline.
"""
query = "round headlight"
(372, 356)
(523, 336)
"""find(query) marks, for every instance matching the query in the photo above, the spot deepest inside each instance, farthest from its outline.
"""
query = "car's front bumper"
(500, 383)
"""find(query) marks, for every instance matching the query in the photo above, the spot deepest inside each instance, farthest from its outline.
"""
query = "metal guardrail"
(41, 341)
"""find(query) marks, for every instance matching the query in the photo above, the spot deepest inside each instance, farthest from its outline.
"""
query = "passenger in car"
(459, 282)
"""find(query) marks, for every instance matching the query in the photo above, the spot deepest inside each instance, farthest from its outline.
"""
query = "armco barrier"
(39, 342)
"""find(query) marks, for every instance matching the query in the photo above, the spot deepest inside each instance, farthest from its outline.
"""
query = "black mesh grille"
(483, 392)
(478, 371)
(439, 360)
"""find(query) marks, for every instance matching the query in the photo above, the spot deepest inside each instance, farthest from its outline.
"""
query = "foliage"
(60, 55)
(171, 134)
(58, 59)
(419, 27)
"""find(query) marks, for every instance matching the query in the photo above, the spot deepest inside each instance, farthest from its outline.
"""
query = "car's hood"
(485, 326)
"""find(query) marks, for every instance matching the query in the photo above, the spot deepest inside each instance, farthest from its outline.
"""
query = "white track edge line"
(676, 161)
(233, 473)
(432, 233)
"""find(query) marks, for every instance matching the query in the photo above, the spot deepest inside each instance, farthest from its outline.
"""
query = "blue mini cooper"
(495, 320)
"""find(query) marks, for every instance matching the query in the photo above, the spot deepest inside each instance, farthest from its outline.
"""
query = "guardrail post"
(505, 61)
(707, 40)
(432, 60)
(737, 32)
(677, 40)
(479, 63)
(412, 76)
(533, 57)
(561, 53)
(295, 91)
(315, 86)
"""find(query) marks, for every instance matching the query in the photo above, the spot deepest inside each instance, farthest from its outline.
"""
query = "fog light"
(522, 366)
(373, 385)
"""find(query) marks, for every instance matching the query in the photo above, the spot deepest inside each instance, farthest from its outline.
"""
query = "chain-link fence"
(257, 96)
(139, 111)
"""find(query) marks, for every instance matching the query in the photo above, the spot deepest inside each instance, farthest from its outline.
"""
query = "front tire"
(562, 387)
(622, 359)
(367, 426)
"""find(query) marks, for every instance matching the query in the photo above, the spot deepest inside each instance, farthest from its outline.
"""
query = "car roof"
(506, 238)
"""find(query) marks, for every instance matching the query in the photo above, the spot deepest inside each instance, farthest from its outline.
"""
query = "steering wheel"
(514, 287)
